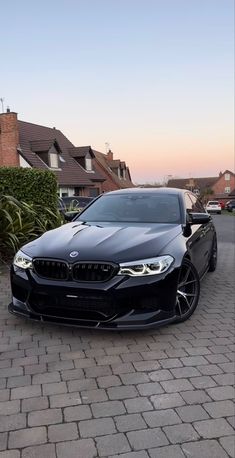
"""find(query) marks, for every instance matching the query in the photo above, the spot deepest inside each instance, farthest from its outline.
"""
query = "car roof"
(139, 190)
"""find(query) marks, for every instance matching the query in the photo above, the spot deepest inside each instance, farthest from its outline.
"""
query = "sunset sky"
(153, 78)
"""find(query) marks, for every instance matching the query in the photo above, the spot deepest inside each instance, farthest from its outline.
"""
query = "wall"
(108, 184)
(23, 162)
(221, 184)
(9, 139)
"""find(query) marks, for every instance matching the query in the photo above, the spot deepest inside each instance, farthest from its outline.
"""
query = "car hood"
(104, 241)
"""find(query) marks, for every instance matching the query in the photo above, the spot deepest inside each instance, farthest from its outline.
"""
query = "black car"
(230, 205)
(132, 259)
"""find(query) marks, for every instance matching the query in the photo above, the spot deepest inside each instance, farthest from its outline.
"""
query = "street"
(225, 226)
(163, 393)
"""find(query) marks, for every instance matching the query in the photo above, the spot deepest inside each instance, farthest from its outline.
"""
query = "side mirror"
(199, 218)
(69, 216)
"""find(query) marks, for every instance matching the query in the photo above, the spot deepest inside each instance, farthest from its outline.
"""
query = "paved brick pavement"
(165, 393)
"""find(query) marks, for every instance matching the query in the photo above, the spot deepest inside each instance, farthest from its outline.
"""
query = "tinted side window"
(188, 203)
(197, 205)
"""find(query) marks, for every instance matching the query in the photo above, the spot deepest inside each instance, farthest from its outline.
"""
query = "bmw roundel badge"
(73, 254)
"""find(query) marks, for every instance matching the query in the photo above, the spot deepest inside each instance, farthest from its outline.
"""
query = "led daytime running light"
(22, 260)
(144, 267)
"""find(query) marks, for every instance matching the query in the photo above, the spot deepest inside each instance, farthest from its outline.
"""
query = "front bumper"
(120, 303)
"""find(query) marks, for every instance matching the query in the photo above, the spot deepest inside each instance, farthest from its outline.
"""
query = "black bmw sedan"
(133, 258)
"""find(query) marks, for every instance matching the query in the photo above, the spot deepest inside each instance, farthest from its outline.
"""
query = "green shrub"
(32, 186)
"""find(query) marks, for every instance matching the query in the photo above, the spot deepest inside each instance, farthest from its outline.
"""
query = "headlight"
(152, 266)
(22, 260)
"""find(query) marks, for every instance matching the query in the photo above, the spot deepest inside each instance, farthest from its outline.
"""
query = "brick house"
(217, 188)
(232, 194)
(197, 185)
(78, 169)
(224, 185)
(117, 175)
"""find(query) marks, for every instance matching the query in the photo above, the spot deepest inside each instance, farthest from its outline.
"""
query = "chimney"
(9, 139)
(110, 155)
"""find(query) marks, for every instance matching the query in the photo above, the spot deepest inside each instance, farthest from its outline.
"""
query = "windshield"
(139, 208)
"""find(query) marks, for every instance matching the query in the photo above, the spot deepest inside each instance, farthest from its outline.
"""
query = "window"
(66, 192)
(197, 205)
(53, 160)
(136, 208)
(227, 177)
(188, 203)
(227, 189)
(123, 174)
(88, 164)
(193, 204)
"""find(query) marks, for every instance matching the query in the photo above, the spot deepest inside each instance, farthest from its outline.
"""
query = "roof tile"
(70, 172)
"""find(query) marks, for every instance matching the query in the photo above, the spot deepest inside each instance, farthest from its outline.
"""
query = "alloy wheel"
(188, 291)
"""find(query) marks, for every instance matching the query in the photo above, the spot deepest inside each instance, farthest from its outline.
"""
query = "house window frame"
(88, 164)
(54, 155)
(227, 189)
(227, 176)
(66, 191)
(122, 174)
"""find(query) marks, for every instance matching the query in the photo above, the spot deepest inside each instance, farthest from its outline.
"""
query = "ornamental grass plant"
(21, 222)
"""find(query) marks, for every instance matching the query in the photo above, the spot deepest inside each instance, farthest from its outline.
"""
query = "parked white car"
(213, 206)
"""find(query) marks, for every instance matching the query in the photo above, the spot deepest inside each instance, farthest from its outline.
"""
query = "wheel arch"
(187, 256)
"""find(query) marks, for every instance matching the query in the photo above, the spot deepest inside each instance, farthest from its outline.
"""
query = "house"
(224, 185)
(232, 194)
(217, 188)
(196, 185)
(79, 171)
(116, 172)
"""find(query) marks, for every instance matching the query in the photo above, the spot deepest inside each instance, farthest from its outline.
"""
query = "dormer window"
(48, 151)
(123, 174)
(88, 164)
(53, 157)
(83, 155)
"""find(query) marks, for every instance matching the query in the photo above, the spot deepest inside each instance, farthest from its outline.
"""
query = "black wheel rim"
(187, 292)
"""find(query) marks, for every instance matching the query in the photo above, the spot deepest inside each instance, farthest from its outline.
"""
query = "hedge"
(33, 186)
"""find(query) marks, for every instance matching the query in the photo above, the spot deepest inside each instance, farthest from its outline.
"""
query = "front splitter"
(127, 322)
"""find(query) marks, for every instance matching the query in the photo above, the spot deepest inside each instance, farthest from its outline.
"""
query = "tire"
(213, 257)
(188, 291)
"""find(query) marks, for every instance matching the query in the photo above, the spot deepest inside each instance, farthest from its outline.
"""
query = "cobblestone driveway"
(165, 393)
